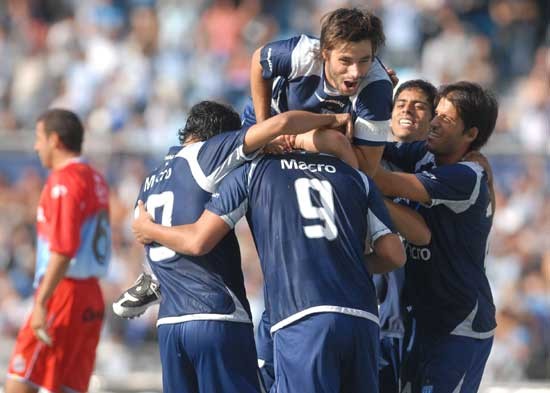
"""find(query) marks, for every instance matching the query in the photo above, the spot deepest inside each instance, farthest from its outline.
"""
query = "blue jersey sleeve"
(406, 156)
(276, 58)
(379, 221)
(455, 186)
(231, 200)
(373, 111)
(373, 106)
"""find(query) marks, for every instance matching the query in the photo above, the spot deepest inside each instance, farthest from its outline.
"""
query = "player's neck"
(63, 158)
(450, 158)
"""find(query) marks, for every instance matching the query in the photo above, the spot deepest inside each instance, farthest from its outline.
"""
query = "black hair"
(207, 119)
(429, 90)
(475, 106)
(66, 125)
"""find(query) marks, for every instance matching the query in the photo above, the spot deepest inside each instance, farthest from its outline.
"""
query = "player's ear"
(325, 54)
(471, 134)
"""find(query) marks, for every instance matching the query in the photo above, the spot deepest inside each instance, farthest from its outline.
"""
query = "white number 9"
(325, 213)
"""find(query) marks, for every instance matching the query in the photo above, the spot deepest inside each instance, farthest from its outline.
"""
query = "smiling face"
(411, 116)
(347, 64)
(447, 138)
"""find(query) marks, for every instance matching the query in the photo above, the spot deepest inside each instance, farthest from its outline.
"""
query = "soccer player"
(413, 109)
(445, 282)
(55, 349)
(310, 236)
(336, 73)
(205, 331)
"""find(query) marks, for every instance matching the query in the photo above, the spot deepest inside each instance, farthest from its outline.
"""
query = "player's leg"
(178, 372)
(135, 300)
(326, 352)
(389, 364)
(475, 372)
(446, 361)
(81, 335)
(16, 386)
(223, 355)
(264, 347)
(34, 363)
(360, 354)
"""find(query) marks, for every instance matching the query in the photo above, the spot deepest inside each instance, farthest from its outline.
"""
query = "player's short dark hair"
(351, 25)
(207, 119)
(429, 90)
(476, 107)
(66, 125)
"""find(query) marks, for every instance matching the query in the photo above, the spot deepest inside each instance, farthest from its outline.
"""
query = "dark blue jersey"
(445, 281)
(299, 82)
(309, 216)
(203, 287)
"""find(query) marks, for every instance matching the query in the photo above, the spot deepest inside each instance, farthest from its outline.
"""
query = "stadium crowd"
(132, 68)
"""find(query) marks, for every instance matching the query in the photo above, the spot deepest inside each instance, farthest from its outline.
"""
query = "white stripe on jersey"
(466, 329)
(305, 58)
(322, 309)
(239, 315)
(463, 205)
(233, 217)
(210, 183)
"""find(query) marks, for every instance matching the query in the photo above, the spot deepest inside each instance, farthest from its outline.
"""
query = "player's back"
(175, 193)
(310, 216)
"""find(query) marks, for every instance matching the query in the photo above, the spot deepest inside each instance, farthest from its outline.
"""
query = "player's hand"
(38, 323)
(141, 221)
(278, 145)
(393, 76)
(343, 122)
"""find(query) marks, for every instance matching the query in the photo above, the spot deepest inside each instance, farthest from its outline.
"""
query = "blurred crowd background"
(132, 69)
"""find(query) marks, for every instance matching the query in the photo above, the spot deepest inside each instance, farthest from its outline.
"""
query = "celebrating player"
(204, 327)
(445, 281)
(55, 349)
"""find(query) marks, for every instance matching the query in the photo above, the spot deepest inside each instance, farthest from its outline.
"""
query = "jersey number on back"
(165, 202)
(325, 212)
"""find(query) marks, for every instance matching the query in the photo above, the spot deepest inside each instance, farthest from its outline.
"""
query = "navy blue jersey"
(203, 287)
(445, 281)
(299, 83)
(309, 216)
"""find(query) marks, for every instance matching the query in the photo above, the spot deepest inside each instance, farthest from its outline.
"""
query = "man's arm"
(195, 239)
(57, 267)
(369, 158)
(403, 185)
(388, 254)
(260, 89)
(292, 122)
(409, 223)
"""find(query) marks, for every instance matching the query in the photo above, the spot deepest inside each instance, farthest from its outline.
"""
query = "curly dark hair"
(207, 119)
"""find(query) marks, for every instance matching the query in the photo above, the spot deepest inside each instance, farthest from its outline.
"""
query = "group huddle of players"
(322, 227)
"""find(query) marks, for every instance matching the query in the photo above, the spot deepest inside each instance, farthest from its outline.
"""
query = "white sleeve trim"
(372, 130)
(463, 205)
(233, 217)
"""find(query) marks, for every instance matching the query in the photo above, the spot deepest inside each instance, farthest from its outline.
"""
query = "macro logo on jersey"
(303, 166)
(73, 220)
(417, 253)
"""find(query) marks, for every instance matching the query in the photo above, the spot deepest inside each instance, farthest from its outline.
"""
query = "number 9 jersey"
(73, 220)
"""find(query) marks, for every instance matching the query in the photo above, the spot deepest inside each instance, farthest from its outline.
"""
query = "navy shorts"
(208, 356)
(444, 364)
(389, 364)
(327, 352)
(264, 347)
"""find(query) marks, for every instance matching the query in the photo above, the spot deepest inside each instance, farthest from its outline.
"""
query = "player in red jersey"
(55, 349)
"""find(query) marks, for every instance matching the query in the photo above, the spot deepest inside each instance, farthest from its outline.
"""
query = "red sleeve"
(66, 218)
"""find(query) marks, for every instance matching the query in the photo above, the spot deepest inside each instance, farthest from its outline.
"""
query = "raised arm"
(292, 122)
(260, 89)
(195, 239)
